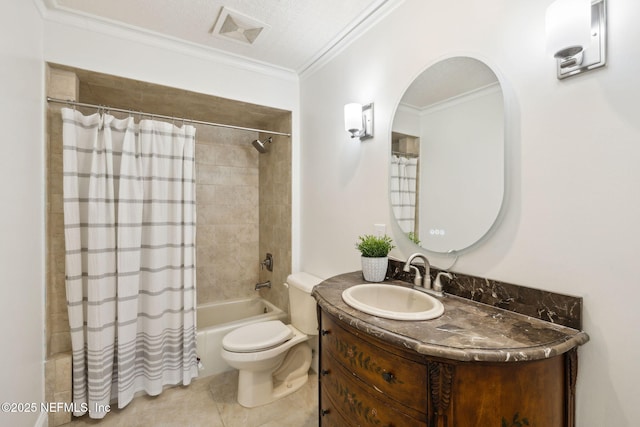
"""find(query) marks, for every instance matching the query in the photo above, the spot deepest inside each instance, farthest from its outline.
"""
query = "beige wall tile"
(63, 373)
(62, 84)
(62, 417)
(49, 379)
(275, 212)
(60, 342)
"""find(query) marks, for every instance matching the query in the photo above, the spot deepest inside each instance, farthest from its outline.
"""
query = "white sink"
(393, 302)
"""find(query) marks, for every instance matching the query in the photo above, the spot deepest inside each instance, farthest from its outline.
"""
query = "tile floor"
(211, 401)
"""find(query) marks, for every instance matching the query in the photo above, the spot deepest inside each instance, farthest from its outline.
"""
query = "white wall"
(572, 217)
(22, 213)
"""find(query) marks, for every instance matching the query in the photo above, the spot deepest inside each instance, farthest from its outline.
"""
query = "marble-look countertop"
(467, 331)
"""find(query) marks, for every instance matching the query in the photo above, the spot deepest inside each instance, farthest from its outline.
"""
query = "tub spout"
(266, 284)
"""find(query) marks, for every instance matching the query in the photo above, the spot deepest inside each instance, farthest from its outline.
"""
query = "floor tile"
(211, 401)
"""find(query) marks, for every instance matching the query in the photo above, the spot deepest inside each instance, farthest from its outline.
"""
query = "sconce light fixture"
(358, 120)
(576, 35)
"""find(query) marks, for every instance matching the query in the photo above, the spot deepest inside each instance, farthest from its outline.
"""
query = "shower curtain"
(130, 225)
(403, 191)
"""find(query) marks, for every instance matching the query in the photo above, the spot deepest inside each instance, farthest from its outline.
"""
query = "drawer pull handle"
(324, 412)
(388, 377)
(324, 372)
(325, 332)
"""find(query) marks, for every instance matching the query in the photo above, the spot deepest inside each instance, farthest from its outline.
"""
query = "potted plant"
(374, 250)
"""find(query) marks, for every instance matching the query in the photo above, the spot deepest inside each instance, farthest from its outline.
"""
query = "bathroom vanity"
(475, 366)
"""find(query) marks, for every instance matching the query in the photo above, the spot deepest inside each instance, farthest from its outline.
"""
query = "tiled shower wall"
(58, 364)
(243, 211)
(275, 212)
(62, 85)
(227, 196)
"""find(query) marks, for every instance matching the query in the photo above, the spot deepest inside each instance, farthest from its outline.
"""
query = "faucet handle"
(268, 262)
(417, 270)
(437, 285)
(417, 279)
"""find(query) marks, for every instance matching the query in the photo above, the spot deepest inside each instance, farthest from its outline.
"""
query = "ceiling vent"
(232, 25)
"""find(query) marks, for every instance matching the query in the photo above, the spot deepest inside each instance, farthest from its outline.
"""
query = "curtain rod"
(160, 116)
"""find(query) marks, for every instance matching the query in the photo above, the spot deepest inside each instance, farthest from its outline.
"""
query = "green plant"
(413, 237)
(374, 246)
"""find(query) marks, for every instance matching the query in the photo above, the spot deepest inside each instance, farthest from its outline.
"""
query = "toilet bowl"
(272, 358)
(269, 368)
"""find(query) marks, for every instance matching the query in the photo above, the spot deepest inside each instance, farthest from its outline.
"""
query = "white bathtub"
(216, 319)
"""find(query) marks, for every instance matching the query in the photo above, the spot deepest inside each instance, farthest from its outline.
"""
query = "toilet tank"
(302, 305)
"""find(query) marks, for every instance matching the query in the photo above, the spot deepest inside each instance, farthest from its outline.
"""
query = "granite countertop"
(467, 331)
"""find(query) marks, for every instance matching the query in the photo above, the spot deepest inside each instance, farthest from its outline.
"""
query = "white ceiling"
(446, 80)
(297, 33)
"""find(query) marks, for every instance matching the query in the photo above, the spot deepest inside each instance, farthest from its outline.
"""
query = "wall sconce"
(358, 120)
(576, 35)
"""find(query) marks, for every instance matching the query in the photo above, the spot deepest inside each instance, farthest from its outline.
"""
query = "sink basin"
(393, 302)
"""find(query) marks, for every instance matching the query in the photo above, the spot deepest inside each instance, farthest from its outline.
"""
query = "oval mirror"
(447, 155)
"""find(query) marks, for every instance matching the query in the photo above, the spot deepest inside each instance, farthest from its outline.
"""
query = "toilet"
(272, 358)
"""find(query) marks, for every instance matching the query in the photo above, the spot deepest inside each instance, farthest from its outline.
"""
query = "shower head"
(261, 146)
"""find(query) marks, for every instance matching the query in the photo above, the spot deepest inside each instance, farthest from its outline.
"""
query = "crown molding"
(462, 98)
(52, 12)
(376, 13)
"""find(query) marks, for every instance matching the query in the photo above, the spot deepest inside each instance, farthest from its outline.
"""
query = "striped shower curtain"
(129, 216)
(403, 191)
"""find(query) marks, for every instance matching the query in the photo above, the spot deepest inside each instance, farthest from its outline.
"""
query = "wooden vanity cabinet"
(365, 381)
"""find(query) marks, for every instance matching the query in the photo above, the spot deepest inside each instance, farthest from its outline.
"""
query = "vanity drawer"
(330, 416)
(360, 404)
(393, 376)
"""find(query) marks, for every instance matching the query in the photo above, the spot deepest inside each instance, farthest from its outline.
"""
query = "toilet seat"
(257, 337)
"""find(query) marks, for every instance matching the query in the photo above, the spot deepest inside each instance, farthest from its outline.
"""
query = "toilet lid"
(257, 336)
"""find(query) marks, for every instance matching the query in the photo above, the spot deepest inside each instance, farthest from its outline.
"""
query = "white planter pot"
(374, 269)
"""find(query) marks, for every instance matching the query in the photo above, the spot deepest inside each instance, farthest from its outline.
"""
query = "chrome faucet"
(423, 284)
(266, 284)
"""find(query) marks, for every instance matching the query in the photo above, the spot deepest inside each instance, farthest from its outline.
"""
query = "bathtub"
(216, 319)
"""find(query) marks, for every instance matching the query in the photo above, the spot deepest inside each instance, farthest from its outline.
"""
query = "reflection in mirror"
(447, 160)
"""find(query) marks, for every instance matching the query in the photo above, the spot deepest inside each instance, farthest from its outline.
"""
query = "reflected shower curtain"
(129, 215)
(403, 191)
